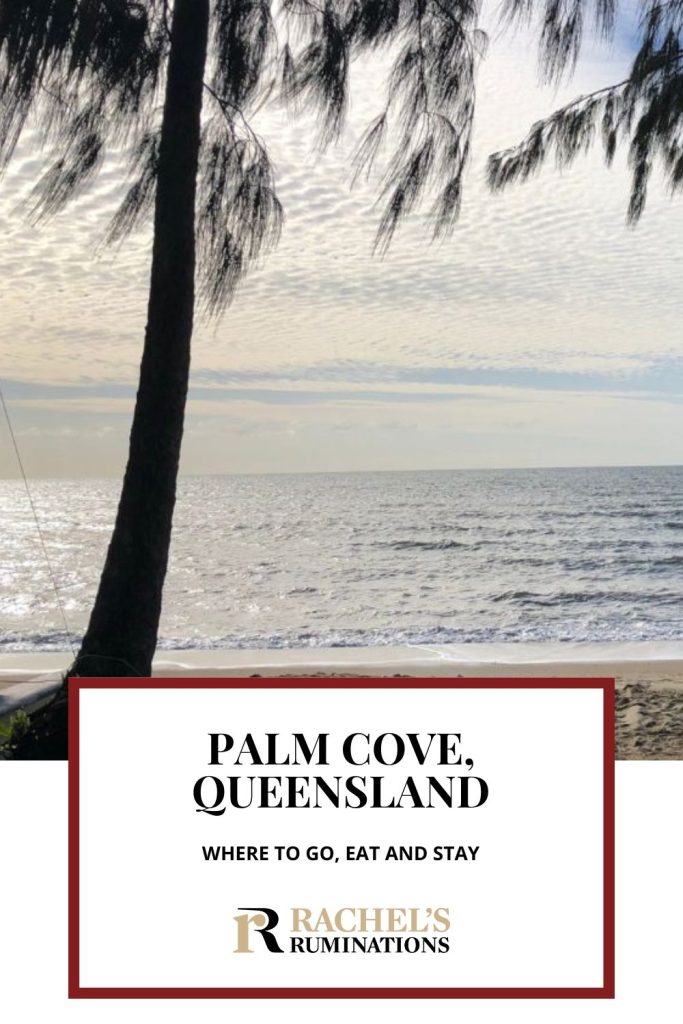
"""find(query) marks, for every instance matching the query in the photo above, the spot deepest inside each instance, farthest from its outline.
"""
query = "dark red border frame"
(605, 992)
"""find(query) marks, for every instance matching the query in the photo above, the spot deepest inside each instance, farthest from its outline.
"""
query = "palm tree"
(90, 73)
(644, 112)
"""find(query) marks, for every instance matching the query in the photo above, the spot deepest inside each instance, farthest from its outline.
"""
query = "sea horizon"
(345, 472)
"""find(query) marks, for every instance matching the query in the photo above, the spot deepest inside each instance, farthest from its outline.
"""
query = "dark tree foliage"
(89, 75)
(644, 112)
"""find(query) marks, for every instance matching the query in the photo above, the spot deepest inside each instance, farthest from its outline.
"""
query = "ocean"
(363, 559)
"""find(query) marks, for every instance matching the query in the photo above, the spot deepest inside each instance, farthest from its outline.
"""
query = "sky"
(543, 332)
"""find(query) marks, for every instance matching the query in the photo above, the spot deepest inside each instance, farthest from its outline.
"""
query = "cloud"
(540, 290)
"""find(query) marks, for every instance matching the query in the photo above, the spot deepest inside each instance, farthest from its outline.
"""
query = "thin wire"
(37, 521)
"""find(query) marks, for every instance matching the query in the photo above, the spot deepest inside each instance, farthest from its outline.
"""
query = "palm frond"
(562, 27)
(138, 201)
(644, 113)
(239, 215)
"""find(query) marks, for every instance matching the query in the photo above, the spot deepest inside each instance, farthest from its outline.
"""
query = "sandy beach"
(649, 676)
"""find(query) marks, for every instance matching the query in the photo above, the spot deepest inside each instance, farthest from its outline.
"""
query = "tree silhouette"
(644, 112)
(90, 74)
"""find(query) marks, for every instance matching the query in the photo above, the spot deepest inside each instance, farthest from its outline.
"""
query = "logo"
(345, 930)
(261, 920)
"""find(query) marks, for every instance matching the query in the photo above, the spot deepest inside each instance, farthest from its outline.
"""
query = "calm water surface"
(369, 558)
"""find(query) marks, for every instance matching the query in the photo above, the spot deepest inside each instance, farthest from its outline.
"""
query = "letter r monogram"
(264, 920)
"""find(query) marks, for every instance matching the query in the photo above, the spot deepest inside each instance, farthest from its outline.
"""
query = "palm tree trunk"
(122, 633)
